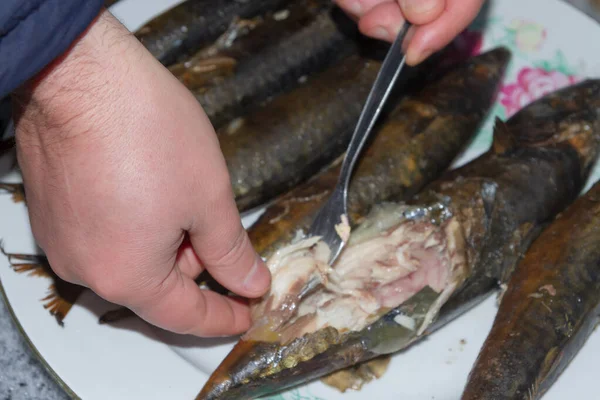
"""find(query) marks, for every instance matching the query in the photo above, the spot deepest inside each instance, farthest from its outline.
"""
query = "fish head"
(390, 281)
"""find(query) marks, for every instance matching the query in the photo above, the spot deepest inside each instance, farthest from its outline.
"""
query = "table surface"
(22, 377)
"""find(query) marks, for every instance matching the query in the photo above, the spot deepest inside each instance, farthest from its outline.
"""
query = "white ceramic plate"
(553, 44)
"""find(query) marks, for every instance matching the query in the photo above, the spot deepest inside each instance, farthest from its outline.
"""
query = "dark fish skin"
(563, 123)
(297, 134)
(280, 67)
(243, 39)
(548, 311)
(536, 167)
(184, 29)
(411, 147)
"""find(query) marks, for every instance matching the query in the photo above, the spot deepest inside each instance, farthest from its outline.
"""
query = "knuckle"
(221, 194)
(231, 253)
(107, 288)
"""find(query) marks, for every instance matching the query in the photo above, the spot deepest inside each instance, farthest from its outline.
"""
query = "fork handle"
(386, 78)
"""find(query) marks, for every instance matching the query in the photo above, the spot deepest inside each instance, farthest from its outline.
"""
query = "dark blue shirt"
(35, 32)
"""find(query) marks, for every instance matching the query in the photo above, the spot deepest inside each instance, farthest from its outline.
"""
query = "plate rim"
(36, 353)
(17, 324)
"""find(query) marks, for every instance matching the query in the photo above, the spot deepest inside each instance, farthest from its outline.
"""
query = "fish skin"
(411, 147)
(243, 39)
(532, 172)
(185, 28)
(280, 67)
(298, 133)
(548, 311)
(554, 136)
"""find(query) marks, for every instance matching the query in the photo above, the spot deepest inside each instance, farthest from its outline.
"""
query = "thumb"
(422, 12)
(223, 247)
(182, 307)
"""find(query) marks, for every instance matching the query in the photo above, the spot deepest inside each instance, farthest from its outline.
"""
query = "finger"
(436, 35)
(180, 306)
(187, 260)
(383, 22)
(421, 12)
(358, 8)
(224, 249)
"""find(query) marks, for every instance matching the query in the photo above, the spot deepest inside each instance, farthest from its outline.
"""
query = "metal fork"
(330, 215)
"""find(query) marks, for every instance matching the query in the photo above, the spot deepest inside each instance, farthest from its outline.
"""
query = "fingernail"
(414, 58)
(258, 279)
(380, 32)
(355, 8)
(418, 6)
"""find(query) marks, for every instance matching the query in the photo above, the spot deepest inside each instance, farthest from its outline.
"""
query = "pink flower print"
(532, 83)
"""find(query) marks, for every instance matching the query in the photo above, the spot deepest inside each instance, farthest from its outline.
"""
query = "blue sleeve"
(35, 32)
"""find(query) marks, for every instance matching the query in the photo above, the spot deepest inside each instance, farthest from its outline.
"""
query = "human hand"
(437, 22)
(121, 166)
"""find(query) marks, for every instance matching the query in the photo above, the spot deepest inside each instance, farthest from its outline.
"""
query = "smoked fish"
(548, 310)
(276, 69)
(410, 148)
(187, 27)
(412, 266)
(243, 39)
(297, 134)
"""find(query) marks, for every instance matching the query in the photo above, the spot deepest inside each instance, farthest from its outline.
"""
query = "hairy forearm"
(120, 165)
(71, 89)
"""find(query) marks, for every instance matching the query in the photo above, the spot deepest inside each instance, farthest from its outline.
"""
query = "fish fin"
(355, 377)
(504, 139)
(61, 294)
(16, 189)
(117, 315)
(34, 264)
(61, 298)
